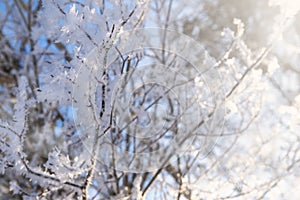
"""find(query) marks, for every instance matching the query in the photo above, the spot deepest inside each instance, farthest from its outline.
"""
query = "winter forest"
(149, 99)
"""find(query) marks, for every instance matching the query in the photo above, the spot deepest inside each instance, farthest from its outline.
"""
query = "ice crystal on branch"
(95, 104)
